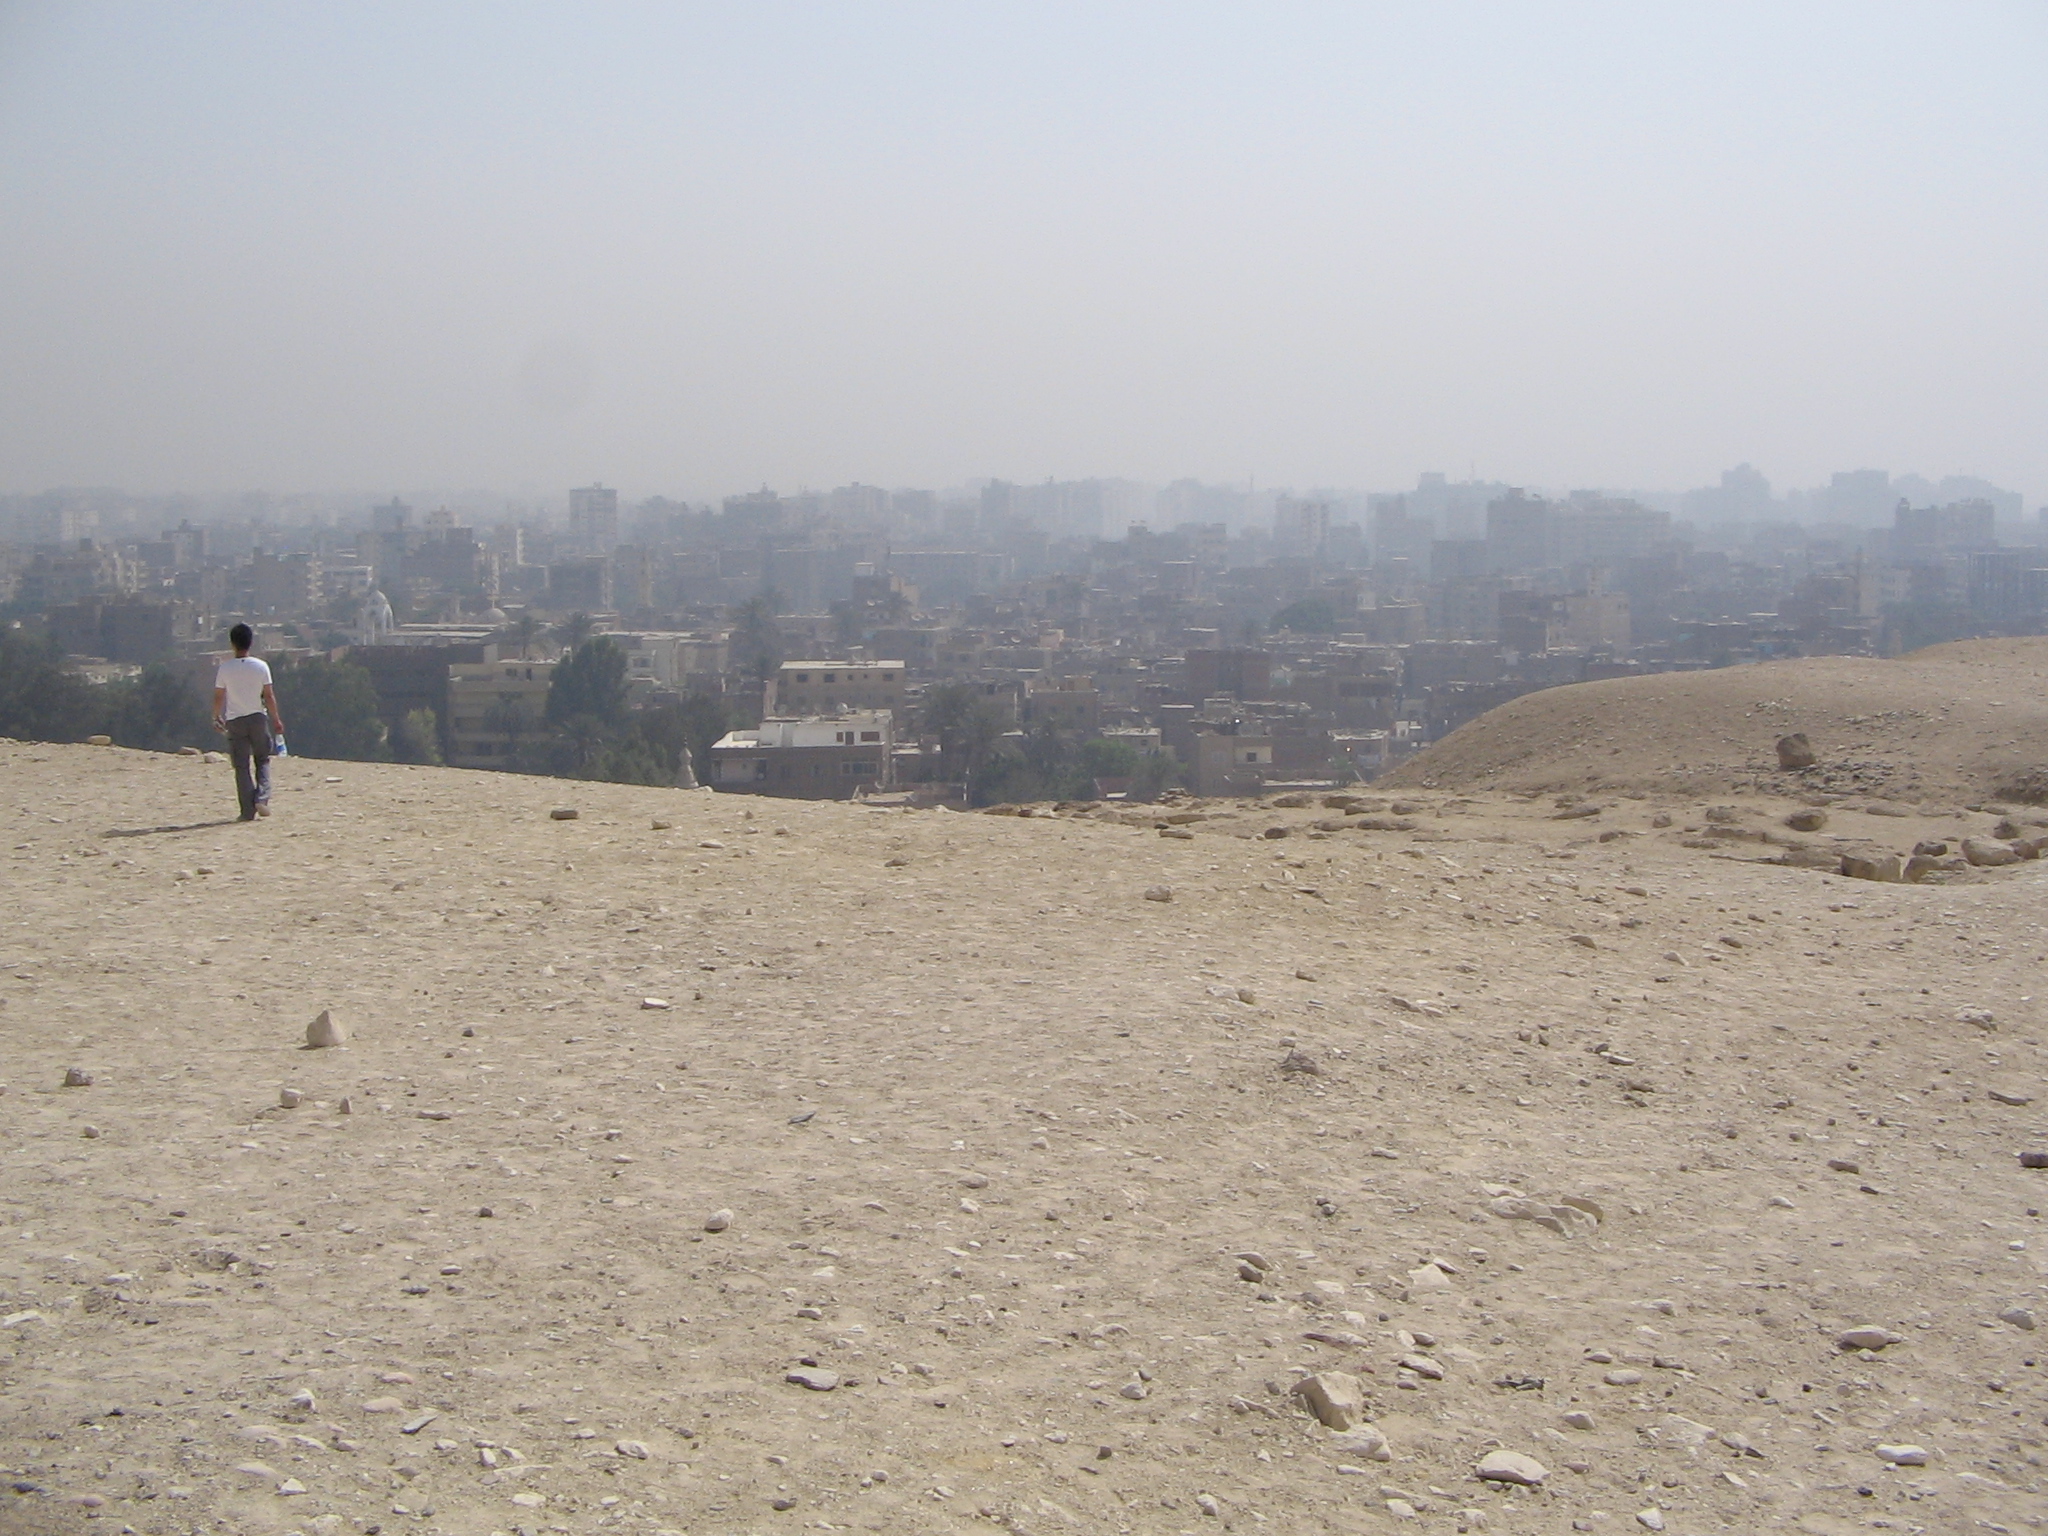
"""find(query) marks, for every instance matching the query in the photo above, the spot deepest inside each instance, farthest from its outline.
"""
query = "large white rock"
(1512, 1467)
(325, 1030)
(1335, 1397)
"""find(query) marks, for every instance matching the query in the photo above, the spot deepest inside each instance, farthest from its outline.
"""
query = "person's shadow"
(196, 826)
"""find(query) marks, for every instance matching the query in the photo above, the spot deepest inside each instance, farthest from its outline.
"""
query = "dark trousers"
(249, 746)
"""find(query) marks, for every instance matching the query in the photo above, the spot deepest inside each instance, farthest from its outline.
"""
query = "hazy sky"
(692, 248)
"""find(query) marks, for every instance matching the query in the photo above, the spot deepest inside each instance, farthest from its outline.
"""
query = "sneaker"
(263, 810)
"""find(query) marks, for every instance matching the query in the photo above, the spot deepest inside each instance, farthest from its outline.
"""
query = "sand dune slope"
(1967, 720)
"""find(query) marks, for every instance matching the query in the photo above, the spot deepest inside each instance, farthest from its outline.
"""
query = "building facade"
(817, 757)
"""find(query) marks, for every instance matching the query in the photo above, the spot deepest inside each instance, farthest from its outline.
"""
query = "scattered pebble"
(813, 1380)
(718, 1220)
(77, 1077)
(1903, 1455)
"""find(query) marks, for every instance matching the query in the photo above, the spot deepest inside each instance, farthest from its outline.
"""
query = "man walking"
(245, 710)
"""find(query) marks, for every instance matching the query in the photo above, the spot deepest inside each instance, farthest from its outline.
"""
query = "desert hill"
(710, 1164)
(1964, 721)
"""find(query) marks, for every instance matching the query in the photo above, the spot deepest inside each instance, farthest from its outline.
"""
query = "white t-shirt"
(245, 678)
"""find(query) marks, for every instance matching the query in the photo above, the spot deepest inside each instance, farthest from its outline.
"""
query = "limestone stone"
(718, 1220)
(1867, 1338)
(1365, 1443)
(1988, 854)
(1512, 1467)
(325, 1030)
(564, 813)
(1903, 1455)
(1336, 1398)
(1796, 752)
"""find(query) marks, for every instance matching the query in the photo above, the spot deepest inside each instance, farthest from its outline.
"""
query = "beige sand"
(992, 1128)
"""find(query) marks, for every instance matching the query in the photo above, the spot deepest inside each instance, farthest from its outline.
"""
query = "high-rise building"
(594, 519)
(1299, 526)
(1518, 534)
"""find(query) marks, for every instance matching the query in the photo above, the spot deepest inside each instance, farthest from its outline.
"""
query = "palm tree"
(574, 630)
(523, 631)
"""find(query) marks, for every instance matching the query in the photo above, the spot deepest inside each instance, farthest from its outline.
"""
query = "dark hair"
(241, 637)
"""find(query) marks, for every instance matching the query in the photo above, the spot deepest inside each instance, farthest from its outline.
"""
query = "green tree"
(162, 710)
(41, 699)
(758, 645)
(589, 683)
(1310, 616)
(1157, 772)
(968, 728)
(1103, 758)
(418, 738)
(331, 709)
(512, 717)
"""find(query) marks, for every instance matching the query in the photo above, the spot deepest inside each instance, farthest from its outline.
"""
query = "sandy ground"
(993, 1129)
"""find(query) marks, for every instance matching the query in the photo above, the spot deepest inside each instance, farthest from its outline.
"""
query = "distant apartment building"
(594, 519)
(73, 571)
(1928, 535)
(495, 708)
(1066, 704)
(580, 584)
(1518, 536)
(825, 687)
(1232, 762)
(1299, 526)
(673, 659)
(1243, 674)
(816, 757)
(279, 585)
(127, 629)
(1594, 530)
